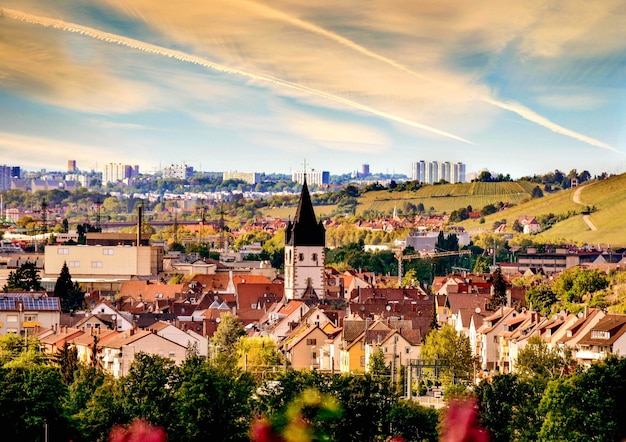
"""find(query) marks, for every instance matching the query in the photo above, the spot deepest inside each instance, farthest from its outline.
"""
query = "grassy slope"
(608, 197)
(446, 197)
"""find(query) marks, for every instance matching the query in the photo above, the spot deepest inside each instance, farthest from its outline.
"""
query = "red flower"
(261, 431)
(138, 431)
(460, 423)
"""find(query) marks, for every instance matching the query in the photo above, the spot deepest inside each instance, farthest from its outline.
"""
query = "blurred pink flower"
(261, 431)
(460, 423)
(139, 431)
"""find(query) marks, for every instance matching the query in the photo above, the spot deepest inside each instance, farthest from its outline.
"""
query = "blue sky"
(515, 87)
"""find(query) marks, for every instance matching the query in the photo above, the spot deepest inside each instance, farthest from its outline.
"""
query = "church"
(305, 239)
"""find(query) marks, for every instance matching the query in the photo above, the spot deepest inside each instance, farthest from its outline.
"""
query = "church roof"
(305, 230)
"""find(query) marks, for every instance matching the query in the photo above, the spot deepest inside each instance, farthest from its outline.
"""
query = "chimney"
(139, 216)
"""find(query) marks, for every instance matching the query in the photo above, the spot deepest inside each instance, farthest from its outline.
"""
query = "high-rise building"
(71, 166)
(431, 172)
(317, 177)
(5, 177)
(179, 171)
(305, 239)
(114, 173)
(365, 170)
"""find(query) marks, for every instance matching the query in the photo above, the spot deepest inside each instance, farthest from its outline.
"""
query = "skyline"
(250, 86)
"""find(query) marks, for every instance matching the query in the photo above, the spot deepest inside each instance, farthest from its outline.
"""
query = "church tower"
(305, 239)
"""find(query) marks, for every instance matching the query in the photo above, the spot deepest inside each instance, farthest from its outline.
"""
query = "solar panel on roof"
(7, 304)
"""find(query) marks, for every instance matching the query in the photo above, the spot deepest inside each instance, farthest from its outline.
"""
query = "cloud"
(41, 152)
(251, 28)
(188, 58)
(34, 64)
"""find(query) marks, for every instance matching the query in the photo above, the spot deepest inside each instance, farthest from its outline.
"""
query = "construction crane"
(424, 255)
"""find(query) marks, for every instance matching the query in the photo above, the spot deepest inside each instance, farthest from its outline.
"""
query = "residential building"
(302, 346)
(118, 353)
(314, 177)
(178, 171)
(431, 172)
(607, 337)
(248, 177)
(115, 172)
(305, 240)
(22, 313)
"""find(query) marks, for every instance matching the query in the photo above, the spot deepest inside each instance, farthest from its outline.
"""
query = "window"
(32, 317)
(73, 264)
(314, 257)
(600, 334)
(172, 354)
(107, 251)
(11, 318)
(362, 361)
(300, 256)
(311, 341)
(313, 355)
(96, 264)
(63, 251)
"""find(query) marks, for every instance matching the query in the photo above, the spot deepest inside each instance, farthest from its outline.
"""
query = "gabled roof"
(250, 279)
(608, 330)
(126, 339)
(217, 282)
(149, 292)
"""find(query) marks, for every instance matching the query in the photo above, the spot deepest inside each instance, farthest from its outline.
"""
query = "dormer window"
(600, 334)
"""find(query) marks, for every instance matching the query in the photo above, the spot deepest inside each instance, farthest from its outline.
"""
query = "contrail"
(520, 110)
(188, 58)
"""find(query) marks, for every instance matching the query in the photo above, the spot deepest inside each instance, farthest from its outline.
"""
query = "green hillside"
(606, 197)
(445, 198)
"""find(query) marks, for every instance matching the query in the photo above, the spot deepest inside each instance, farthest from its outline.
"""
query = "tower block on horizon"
(305, 239)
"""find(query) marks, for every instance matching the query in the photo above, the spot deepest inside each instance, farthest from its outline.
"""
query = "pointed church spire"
(305, 229)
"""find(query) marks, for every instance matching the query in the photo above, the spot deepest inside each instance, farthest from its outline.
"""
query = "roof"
(608, 330)
(305, 229)
(29, 303)
(150, 292)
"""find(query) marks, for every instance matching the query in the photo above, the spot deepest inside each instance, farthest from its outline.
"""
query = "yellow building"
(121, 261)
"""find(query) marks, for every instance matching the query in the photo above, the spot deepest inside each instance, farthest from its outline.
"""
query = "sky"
(518, 88)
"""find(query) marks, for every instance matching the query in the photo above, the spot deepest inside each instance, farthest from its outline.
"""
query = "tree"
(537, 359)
(540, 297)
(25, 278)
(498, 284)
(211, 404)
(587, 405)
(508, 407)
(70, 293)
(67, 360)
(453, 351)
(413, 422)
(377, 366)
(148, 388)
(225, 339)
(258, 353)
(573, 284)
(536, 192)
(29, 397)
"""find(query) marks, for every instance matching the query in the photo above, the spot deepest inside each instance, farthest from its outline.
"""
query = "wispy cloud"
(188, 58)
(40, 152)
(516, 108)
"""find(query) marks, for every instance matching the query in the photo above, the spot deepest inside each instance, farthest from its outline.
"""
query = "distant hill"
(444, 198)
(605, 198)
